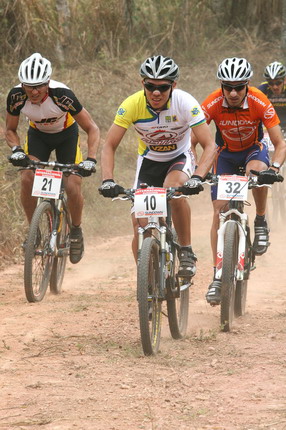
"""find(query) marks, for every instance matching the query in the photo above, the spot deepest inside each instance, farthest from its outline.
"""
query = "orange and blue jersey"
(240, 128)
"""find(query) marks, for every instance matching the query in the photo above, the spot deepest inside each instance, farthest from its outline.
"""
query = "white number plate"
(47, 183)
(150, 201)
(232, 187)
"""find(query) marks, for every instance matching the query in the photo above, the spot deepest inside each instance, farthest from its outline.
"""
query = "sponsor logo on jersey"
(269, 113)
(65, 102)
(17, 100)
(161, 135)
(121, 111)
(195, 111)
(256, 99)
(235, 122)
(48, 121)
(163, 148)
(235, 135)
(213, 102)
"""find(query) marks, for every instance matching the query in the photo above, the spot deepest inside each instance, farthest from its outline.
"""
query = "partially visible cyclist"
(162, 116)
(239, 111)
(54, 113)
(275, 89)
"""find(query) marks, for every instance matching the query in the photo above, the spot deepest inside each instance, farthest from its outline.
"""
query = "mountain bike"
(48, 243)
(235, 255)
(157, 266)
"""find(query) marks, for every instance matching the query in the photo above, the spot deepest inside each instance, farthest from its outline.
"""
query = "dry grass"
(103, 83)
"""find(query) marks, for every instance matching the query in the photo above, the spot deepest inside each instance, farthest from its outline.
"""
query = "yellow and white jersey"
(162, 135)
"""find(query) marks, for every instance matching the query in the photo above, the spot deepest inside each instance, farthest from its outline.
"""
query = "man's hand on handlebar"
(193, 185)
(109, 188)
(87, 167)
(19, 158)
(268, 176)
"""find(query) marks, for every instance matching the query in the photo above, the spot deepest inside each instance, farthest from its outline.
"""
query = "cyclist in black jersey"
(275, 89)
(54, 114)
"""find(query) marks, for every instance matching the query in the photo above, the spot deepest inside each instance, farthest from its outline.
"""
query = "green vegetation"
(96, 48)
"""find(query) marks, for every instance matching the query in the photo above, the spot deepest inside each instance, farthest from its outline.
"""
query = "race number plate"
(150, 201)
(47, 183)
(232, 187)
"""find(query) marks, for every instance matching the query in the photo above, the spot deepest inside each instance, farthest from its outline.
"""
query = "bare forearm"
(12, 138)
(93, 142)
(206, 161)
(107, 162)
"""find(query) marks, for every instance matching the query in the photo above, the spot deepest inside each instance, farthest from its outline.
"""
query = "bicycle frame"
(58, 205)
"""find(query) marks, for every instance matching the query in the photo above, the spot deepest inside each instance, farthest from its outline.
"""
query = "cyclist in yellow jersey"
(162, 116)
(54, 114)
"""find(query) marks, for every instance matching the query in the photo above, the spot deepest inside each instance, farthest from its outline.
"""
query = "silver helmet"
(159, 67)
(35, 70)
(234, 69)
(274, 70)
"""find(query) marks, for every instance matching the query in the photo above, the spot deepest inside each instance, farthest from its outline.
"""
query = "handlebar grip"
(254, 172)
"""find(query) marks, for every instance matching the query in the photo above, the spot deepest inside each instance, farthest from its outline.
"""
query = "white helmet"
(274, 70)
(35, 70)
(234, 69)
(159, 67)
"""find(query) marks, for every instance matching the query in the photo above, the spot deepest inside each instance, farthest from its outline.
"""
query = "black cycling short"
(65, 144)
(154, 173)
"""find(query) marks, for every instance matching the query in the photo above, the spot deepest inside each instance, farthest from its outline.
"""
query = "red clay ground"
(74, 362)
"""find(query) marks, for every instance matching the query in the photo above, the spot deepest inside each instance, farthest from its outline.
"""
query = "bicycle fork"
(242, 233)
(163, 252)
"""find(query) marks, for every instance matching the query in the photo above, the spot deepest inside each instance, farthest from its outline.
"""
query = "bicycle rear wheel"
(230, 255)
(38, 259)
(149, 303)
(177, 301)
(59, 264)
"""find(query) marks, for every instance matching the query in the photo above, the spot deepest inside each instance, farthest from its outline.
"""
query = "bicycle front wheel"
(149, 303)
(60, 260)
(230, 256)
(38, 259)
(241, 286)
(177, 297)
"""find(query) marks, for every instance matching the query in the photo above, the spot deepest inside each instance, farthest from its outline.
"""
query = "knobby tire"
(177, 307)
(230, 256)
(149, 304)
(38, 262)
(241, 286)
(59, 263)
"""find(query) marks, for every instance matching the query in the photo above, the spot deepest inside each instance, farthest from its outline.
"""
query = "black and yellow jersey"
(278, 101)
(53, 114)
(162, 135)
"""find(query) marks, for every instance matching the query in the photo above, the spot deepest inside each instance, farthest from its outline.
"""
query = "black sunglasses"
(162, 88)
(233, 87)
(277, 83)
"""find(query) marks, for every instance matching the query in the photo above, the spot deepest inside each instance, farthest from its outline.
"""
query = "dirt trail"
(75, 361)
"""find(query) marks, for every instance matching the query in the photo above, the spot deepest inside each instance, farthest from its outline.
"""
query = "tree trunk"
(63, 9)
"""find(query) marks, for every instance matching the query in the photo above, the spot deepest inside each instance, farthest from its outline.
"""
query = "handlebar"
(129, 193)
(64, 167)
(253, 181)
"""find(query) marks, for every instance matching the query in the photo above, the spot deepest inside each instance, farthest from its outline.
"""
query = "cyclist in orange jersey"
(239, 112)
